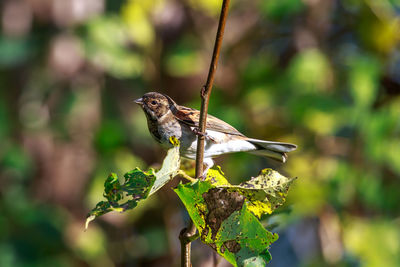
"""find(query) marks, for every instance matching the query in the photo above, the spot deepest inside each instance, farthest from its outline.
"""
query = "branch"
(206, 90)
(187, 235)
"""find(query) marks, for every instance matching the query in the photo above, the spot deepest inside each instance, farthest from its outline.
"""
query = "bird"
(165, 119)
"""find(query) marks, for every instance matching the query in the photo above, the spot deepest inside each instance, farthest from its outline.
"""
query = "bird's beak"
(139, 101)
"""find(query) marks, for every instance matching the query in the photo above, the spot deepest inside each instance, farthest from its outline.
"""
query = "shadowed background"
(323, 74)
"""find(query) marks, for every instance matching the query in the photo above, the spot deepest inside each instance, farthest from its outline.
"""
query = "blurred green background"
(324, 74)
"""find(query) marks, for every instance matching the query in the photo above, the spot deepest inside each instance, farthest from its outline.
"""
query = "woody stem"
(206, 90)
(187, 234)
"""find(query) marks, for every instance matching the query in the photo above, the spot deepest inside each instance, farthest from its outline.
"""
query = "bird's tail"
(274, 150)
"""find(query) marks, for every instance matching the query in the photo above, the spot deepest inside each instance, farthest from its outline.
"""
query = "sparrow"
(165, 119)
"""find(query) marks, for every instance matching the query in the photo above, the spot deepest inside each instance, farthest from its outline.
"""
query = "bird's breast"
(168, 127)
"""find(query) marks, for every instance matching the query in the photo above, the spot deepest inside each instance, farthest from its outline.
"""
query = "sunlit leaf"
(225, 223)
(169, 168)
(138, 185)
(264, 193)
(217, 177)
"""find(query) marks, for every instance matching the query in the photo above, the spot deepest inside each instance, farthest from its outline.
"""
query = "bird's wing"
(191, 117)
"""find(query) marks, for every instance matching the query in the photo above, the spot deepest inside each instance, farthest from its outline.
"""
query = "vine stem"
(188, 234)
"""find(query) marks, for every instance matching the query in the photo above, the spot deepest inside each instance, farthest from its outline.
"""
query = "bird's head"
(156, 105)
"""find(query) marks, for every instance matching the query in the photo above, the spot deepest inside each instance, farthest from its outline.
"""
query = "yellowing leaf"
(225, 214)
(225, 223)
(266, 192)
(217, 177)
(263, 193)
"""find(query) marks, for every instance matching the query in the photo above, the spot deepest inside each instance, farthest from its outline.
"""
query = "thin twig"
(187, 177)
(206, 90)
(188, 234)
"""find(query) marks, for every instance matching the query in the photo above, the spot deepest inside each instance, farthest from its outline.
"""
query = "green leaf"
(225, 214)
(112, 188)
(226, 224)
(264, 193)
(138, 185)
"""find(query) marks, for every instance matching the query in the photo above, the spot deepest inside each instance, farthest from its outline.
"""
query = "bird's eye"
(153, 102)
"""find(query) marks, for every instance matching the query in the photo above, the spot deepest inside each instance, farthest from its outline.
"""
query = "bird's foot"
(206, 136)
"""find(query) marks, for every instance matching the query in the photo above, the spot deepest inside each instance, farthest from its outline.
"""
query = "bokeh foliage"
(322, 74)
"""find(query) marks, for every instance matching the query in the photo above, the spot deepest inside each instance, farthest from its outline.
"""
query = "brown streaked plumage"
(165, 119)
